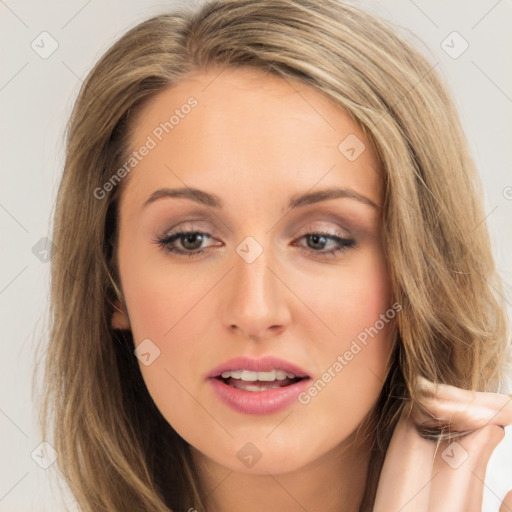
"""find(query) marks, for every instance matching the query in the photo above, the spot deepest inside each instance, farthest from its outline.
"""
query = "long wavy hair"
(116, 451)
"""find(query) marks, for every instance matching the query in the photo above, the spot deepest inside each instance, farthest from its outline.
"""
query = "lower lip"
(258, 402)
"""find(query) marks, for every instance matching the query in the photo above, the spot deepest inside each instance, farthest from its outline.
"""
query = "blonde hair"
(116, 451)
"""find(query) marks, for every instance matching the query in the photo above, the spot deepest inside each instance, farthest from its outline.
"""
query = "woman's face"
(267, 274)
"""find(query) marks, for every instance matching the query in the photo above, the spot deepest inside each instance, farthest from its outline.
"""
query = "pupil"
(317, 238)
(190, 237)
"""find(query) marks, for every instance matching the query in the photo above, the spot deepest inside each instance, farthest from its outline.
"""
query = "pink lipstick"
(258, 386)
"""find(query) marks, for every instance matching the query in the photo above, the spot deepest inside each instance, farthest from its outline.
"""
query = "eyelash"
(165, 242)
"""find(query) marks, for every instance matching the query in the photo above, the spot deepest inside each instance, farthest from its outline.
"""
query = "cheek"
(351, 299)
(159, 297)
(172, 310)
(357, 306)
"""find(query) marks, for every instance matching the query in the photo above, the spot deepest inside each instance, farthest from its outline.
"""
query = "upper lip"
(263, 364)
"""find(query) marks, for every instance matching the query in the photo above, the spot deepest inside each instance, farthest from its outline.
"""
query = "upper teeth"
(254, 376)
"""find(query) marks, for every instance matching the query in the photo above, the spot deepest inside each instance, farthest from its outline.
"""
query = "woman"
(273, 288)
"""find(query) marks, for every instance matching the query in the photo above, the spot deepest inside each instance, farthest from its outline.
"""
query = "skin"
(417, 476)
(256, 140)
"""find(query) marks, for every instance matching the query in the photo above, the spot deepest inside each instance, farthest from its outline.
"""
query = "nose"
(255, 298)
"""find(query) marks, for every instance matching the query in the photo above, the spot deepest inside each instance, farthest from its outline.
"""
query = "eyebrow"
(296, 201)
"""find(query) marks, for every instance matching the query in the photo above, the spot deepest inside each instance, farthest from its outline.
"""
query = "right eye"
(190, 242)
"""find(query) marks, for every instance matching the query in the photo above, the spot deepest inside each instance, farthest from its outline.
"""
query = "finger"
(404, 483)
(463, 409)
(506, 505)
(459, 470)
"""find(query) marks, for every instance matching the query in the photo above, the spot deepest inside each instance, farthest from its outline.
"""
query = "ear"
(120, 318)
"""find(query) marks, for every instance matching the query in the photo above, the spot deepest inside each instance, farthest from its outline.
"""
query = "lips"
(253, 391)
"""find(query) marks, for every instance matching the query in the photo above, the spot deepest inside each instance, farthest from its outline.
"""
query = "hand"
(418, 477)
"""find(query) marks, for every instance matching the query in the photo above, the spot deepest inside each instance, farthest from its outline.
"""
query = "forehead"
(252, 129)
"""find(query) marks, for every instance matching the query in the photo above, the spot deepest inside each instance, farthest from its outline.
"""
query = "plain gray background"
(36, 96)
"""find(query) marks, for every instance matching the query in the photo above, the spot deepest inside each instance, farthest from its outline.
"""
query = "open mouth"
(266, 391)
(259, 385)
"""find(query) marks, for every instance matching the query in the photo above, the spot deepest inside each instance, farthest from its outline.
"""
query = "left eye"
(341, 243)
(191, 242)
